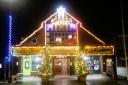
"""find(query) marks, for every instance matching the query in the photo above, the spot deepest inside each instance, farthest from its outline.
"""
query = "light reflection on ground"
(70, 80)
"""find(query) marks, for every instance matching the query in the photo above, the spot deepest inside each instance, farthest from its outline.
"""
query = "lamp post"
(124, 42)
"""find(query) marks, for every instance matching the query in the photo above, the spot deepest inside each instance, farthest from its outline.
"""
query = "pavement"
(96, 79)
(123, 82)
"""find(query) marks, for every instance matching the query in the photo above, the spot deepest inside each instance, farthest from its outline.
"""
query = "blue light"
(8, 59)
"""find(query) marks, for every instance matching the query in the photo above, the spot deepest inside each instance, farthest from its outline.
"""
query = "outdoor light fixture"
(0, 65)
(37, 59)
(70, 36)
(60, 9)
(61, 12)
(15, 4)
(17, 63)
(58, 39)
(86, 57)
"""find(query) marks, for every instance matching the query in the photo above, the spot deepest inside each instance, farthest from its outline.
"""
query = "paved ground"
(69, 80)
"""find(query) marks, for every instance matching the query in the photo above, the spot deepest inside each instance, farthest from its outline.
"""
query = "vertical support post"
(124, 43)
(4, 70)
(101, 64)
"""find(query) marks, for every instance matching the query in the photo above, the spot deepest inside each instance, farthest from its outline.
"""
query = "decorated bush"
(45, 70)
(81, 69)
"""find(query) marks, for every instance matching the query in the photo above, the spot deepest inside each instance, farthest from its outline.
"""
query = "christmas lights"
(92, 34)
(61, 12)
(99, 50)
(19, 51)
(52, 50)
(62, 20)
(86, 29)
(36, 31)
(8, 58)
(61, 41)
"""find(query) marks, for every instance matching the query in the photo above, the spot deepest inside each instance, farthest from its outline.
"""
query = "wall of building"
(38, 39)
(121, 71)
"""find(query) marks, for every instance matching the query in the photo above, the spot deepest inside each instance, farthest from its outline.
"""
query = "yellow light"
(99, 50)
(92, 34)
(20, 51)
(36, 30)
(78, 22)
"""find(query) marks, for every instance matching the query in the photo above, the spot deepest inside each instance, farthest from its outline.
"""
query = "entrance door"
(64, 67)
(61, 66)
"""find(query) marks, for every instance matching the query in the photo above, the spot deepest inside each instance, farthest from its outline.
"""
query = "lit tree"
(80, 67)
(45, 71)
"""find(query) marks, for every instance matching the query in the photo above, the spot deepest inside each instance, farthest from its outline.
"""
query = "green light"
(27, 64)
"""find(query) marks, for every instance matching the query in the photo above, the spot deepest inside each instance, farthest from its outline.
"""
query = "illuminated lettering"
(60, 22)
(27, 65)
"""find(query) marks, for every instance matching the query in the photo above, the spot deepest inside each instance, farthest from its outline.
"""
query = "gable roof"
(42, 24)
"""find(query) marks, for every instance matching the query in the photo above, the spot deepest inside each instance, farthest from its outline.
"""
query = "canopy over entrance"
(63, 50)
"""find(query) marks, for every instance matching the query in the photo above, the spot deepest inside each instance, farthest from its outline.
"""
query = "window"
(47, 33)
(36, 63)
(47, 39)
(34, 40)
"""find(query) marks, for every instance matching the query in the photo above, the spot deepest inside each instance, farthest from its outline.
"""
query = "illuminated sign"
(99, 50)
(17, 51)
(109, 62)
(59, 22)
(61, 19)
(63, 50)
(27, 64)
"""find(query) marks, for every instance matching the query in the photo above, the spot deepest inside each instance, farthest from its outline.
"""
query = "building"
(62, 38)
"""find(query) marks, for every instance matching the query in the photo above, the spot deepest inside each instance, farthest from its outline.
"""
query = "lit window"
(70, 36)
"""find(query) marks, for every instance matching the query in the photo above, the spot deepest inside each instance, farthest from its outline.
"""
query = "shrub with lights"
(81, 69)
(45, 71)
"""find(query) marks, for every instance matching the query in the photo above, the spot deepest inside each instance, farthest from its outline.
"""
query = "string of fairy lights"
(9, 54)
(61, 12)
(60, 15)
(47, 51)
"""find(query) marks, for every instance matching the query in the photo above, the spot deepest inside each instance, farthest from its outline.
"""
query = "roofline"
(52, 16)
(92, 34)
(35, 30)
(87, 30)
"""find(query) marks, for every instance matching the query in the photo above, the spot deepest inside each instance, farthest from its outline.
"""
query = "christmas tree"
(81, 69)
(46, 67)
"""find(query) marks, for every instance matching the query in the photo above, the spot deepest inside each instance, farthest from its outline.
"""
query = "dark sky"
(103, 17)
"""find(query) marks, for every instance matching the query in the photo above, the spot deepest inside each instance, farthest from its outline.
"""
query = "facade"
(62, 38)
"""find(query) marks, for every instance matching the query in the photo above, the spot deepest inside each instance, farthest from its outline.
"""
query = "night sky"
(102, 17)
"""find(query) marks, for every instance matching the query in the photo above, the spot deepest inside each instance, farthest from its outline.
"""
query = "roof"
(42, 26)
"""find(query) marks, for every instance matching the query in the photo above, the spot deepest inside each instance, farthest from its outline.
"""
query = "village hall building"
(63, 38)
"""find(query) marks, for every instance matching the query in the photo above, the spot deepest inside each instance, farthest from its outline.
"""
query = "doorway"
(61, 66)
